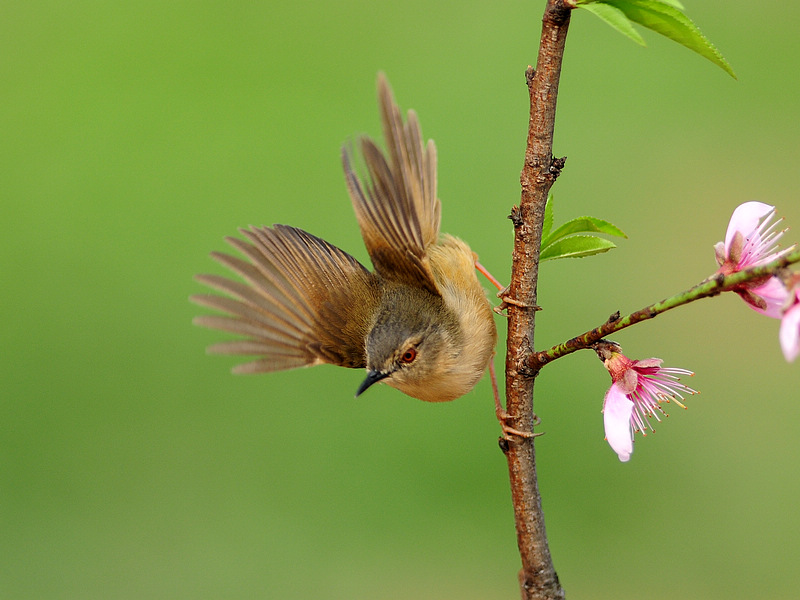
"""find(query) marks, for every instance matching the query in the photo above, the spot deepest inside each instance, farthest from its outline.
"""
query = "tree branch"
(538, 578)
(714, 285)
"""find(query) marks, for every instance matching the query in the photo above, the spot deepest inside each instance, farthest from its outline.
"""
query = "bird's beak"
(372, 377)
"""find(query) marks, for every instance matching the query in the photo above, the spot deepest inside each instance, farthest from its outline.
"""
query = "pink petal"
(746, 219)
(617, 409)
(789, 334)
(776, 296)
(647, 363)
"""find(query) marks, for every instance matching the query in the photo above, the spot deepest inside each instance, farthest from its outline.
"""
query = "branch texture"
(538, 578)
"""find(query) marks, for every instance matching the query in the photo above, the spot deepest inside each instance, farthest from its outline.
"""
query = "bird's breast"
(453, 265)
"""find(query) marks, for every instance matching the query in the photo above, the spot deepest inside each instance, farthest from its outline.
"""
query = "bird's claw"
(507, 301)
(510, 433)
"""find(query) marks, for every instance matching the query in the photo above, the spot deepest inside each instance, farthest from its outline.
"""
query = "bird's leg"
(502, 416)
(482, 270)
(502, 291)
(501, 413)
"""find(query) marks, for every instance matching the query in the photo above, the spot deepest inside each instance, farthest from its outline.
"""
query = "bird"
(420, 321)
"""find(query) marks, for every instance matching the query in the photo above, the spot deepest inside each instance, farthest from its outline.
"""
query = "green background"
(132, 465)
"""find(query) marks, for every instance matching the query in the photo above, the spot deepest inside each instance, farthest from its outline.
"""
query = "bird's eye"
(409, 356)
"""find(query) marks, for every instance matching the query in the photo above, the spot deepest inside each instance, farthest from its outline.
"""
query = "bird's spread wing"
(303, 301)
(396, 204)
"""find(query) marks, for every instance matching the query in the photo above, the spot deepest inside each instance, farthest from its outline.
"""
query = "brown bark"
(538, 578)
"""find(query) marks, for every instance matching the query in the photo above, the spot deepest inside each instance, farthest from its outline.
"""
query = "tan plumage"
(421, 322)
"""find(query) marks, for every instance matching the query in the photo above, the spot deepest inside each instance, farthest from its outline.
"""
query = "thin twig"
(712, 286)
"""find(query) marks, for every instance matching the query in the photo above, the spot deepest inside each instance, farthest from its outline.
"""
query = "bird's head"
(414, 345)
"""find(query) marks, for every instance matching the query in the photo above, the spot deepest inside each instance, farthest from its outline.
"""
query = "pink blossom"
(637, 390)
(769, 299)
(789, 334)
(752, 240)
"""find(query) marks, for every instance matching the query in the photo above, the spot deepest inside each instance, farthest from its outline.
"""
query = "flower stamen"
(638, 390)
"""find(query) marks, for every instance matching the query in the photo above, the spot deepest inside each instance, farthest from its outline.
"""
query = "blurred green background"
(132, 465)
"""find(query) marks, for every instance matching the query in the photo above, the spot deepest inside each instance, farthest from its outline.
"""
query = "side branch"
(712, 286)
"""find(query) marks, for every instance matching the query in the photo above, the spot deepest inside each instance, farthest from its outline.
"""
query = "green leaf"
(576, 246)
(564, 241)
(662, 16)
(614, 17)
(582, 225)
(548, 216)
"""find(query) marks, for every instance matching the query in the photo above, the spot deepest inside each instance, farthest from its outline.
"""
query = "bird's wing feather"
(303, 301)
(396, 204)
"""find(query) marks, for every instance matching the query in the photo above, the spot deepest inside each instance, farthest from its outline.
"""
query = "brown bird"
(420, 322)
